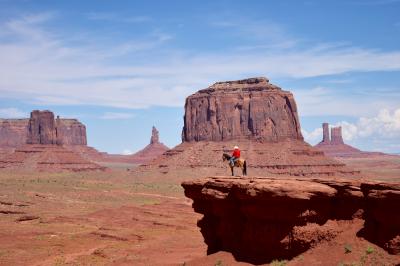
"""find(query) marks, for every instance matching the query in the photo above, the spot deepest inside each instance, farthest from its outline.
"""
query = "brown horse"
(238, 163)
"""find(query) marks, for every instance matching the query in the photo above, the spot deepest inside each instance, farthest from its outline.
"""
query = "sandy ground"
(94, 219)
(114, 218)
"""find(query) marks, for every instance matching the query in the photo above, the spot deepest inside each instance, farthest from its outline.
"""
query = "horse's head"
(225, 156)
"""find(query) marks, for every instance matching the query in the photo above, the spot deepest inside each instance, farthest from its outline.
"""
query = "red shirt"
(236, 153)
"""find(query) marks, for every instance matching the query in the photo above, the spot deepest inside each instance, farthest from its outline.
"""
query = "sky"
(121, 67)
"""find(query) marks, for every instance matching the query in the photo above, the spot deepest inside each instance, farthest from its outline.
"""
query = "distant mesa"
(41, 128)
(41, 142)
(333, 145)
(257, 116)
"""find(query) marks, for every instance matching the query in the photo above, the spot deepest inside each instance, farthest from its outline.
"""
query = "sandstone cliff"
(13, 132)
(70, 132)
(244, 109)
(41, 128)
(261, 219)
(253, 114)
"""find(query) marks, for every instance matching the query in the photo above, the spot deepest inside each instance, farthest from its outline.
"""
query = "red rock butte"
(333, 145)
(244, 109)
(41, 128)
(254, 114)
(41, 142)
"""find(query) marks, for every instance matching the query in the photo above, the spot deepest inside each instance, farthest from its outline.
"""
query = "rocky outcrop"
(154, 136)
(325, 129)
(70, 132)
(151, 151)
(253, 114)
(244, 109)
(13, 132)
(336, 134)
(261, 219)
(334, 146)
(41, 128)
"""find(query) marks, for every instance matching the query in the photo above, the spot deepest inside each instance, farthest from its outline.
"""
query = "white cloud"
(43, 68)
(12, 113)
(385, 126)
(127, 152)
(313, 136)
(114, 116)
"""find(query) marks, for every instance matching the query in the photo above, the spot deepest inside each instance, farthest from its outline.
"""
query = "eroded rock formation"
(261, 219)
(43, 143)
(336, 136)
(151, 151)
(154, 136)
(41, 128)
(243, 109)
(334, 146)
(13, 132)
(253, 114)
(70, 132)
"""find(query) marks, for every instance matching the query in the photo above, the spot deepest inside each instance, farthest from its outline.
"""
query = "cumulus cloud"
(12, 113)
(383, 126)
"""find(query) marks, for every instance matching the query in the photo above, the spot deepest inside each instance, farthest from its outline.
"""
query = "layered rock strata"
(253, 114)
(244, 109)
(261, 219)
(41, 128)
(48, 158)
(13, 132)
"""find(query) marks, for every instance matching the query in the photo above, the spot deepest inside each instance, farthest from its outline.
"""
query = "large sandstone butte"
(261, 219)
(257, 116)
(243, 109)
(41, 128)
(333, 145)
(45, 144)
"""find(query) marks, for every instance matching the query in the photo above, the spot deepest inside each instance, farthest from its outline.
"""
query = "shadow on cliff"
(271, 228)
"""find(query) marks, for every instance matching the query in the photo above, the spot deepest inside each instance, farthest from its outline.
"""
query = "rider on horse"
(235, 155)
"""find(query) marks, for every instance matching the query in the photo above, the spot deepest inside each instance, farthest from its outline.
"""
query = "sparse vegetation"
(219, 263)
(347, 248)
(369, 250)
(278, 263)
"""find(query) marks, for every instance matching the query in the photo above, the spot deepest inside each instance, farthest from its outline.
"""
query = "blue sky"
(122, 66)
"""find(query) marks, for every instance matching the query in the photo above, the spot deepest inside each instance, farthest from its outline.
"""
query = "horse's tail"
(245, 168)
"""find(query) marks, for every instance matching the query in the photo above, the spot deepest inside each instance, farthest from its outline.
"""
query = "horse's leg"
(232, 170)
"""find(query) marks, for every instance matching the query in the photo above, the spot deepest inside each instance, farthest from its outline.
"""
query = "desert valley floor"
(114, 217)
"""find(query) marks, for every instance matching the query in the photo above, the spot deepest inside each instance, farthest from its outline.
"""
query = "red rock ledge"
(261, 219)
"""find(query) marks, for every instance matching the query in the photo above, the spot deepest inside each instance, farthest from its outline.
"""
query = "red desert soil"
(112, 218)
(94, 219)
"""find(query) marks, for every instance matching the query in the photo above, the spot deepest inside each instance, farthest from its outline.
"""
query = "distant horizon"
(122, 67)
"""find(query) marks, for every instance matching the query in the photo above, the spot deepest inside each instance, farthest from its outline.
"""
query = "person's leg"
(231, 161)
